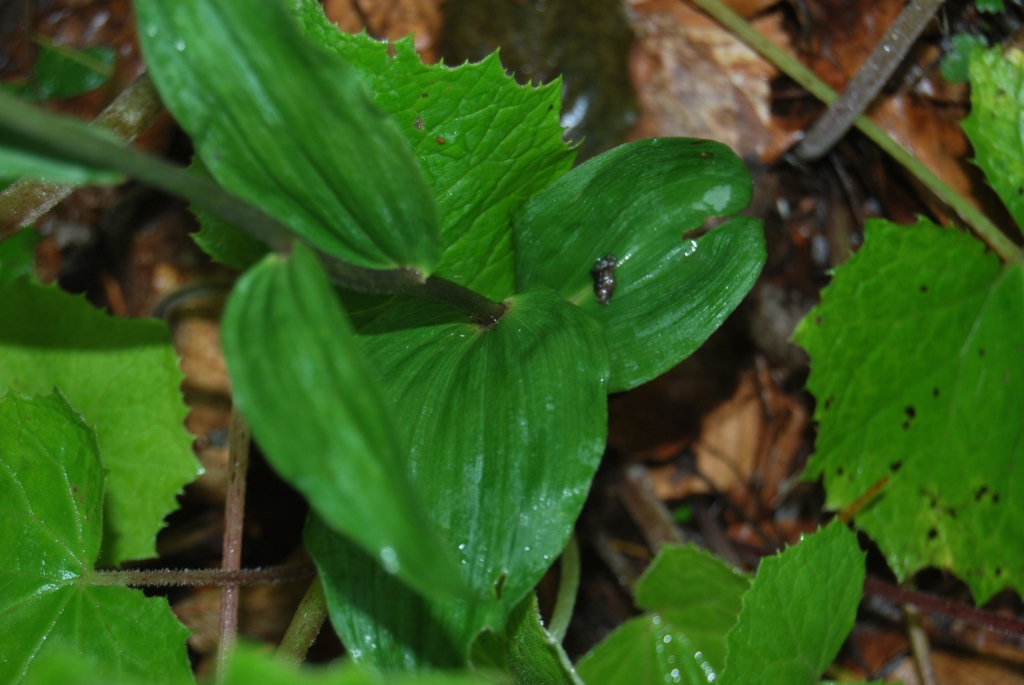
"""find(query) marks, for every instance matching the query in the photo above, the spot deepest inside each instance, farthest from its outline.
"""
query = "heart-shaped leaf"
(51, 504)
(505, 427)
(319, 415)
(290, 128)
(636, 205)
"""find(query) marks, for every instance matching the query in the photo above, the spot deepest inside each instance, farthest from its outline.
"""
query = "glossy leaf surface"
(994, 125)
(51, 482)
(290, 128)
(525, 649)
(637, 203)
(915, 363)
(694, 599)
(485, 143)
(505, 427)
(319, 415)
(122, 375)
(798, 611)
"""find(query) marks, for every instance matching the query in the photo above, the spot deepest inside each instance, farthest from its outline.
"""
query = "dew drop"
(179, 45)
(389, 559)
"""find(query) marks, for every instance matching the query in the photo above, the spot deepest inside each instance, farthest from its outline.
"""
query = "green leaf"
(290, 128)
(319, 415)
(122, 375)
(994, 125)
(525, 649)
(51, 503)
(18, 256)
(694, 599)
(637, 203)
(61, 72)
(955, 64)
(798, 611)
(223, 241)
(915, 356)
(504, 427)
(502, 143)
(990, 6)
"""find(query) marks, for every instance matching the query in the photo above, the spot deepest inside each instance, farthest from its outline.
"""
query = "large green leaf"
(485, 143)
(318, 413)
(798, 611)
(915, 360)
(525, 649)
(123, 376)
(505, 427)
(51, 504)
(995, 124)
(693, 599)
(636, 203)
(290, 128)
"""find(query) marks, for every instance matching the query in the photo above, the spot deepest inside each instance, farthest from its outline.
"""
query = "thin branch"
(919, 644)
(985, 229)
(864, 86)
(234, 519)
(203, 576)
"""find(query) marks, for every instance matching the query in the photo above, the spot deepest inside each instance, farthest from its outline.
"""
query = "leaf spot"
(439, 140)
(895, 466)
(418, 123)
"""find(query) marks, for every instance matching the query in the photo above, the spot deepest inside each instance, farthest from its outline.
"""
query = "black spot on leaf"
(979, 493)
(932, 533)
(935, 392)
(895, 466)
(924, 288)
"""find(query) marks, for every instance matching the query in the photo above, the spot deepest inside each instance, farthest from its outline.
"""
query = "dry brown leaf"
(391, 20)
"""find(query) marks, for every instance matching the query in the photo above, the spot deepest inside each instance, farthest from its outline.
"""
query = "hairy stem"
(203, 576)
(305, 625)
(131, 112)
(985, 229)
(868, 81)
(234, 518)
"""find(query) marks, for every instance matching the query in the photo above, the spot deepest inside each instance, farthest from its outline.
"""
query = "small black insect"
(604, 278)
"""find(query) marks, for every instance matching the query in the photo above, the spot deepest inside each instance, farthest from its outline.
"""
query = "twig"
(864, 86)
(568, 587)
(234, 518)
(647, 511)
(985, 229)
(305, 626)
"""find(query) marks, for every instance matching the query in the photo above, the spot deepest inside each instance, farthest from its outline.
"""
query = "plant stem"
(203, 576)
(937, 605)
(568, 587)
(234, 518)
(69, 140)
(862, 89)
(985, 229)
(131, 112)
(919, 644)
(305, 625)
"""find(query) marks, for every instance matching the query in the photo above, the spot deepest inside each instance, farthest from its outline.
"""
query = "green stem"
(305, 625)
(131, 112)
(49, 135)
(568, 587)
(985, 229)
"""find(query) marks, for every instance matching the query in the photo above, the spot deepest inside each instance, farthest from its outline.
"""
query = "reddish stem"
(937, 605)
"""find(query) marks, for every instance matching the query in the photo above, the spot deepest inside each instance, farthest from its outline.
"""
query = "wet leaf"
(915, 356)
(122, 375)
(798, 611)
(504, 428)
(291, 129)
(51, 482)
(694, 599)
(485, 144)
(318, 414)
(525, 649)
(637, 204)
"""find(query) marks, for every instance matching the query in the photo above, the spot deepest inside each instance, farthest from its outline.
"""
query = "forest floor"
(712, 451)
